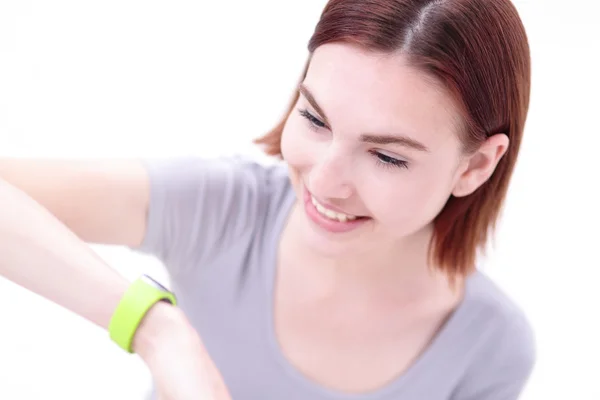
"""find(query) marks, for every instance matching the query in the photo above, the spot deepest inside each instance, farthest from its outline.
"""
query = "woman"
(345, 271)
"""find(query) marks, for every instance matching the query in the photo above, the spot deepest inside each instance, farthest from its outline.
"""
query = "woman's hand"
(180, 365)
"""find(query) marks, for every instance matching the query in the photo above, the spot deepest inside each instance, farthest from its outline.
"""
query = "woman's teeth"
(332, 214)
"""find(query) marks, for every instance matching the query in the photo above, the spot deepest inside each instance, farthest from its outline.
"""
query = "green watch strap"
(141, 295)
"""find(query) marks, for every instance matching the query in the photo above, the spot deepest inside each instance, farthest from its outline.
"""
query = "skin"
(369, 293)
(352, 310)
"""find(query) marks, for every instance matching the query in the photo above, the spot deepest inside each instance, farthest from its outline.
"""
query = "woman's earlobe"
(463, 187)
(481, 165)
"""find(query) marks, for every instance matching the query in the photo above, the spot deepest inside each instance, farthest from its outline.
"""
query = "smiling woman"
(346, 271)
(469, 71)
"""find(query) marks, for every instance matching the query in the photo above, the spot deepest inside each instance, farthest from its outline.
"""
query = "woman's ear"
(481, 165)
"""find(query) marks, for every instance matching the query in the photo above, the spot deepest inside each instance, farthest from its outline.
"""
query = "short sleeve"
(200, 207)
(504, 368)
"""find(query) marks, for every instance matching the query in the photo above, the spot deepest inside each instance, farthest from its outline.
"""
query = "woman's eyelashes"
(386, 161)
(382, 160)
(314, 122)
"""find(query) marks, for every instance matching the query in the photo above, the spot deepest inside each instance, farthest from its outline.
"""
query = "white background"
(158, 78)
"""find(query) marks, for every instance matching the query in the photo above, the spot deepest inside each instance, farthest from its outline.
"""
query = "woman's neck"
(398, 269)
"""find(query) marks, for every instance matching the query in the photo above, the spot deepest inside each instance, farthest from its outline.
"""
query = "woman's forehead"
(360, 91)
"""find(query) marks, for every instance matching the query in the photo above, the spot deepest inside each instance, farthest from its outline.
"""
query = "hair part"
(478, 50)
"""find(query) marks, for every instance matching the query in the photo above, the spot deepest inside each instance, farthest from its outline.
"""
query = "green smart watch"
(141, 295)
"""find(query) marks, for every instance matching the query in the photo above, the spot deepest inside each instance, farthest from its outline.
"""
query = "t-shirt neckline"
(444, 338)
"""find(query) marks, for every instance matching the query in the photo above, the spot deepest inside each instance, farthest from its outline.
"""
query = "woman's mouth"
(334, 215)
(328, 219)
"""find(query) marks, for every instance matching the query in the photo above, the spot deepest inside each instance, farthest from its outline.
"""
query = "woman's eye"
(314, 121)
(388, 161)
(382, 159)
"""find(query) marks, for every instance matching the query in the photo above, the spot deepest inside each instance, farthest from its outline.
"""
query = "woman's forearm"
(42, 255)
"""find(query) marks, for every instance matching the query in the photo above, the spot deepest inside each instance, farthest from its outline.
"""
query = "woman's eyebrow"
(311, 99)
(381, 139)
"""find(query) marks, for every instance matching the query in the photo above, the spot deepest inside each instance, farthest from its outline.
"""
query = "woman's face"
(373, 150)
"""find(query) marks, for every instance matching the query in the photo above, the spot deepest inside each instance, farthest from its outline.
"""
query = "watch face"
(154, 283)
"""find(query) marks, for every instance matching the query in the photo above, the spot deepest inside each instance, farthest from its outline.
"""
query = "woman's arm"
(40, 254)
(101, 201)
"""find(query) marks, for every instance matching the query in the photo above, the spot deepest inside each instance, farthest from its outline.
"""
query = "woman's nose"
(329, 177)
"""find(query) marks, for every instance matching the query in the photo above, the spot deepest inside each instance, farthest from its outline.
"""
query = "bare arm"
(39, 253)
(101, 201)
(49, 209)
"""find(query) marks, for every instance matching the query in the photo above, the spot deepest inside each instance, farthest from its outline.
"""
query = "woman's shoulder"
(504, 333)
(498, 338)
(248, 184)
(238, 173)
(268, 178)
(201, 206)
(486, 296)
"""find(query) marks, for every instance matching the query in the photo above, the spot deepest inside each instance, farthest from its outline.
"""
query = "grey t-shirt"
(216, 223)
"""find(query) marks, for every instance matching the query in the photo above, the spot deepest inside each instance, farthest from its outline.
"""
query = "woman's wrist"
(163, 321)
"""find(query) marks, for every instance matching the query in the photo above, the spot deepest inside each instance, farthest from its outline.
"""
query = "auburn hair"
(477, 49)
